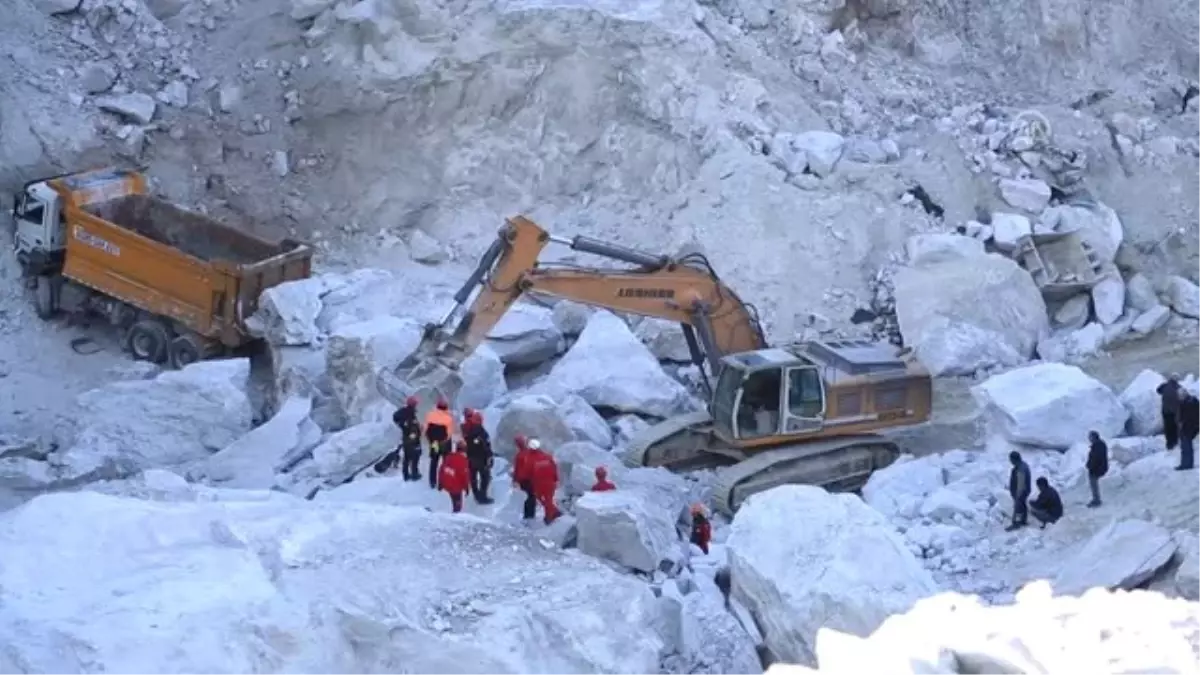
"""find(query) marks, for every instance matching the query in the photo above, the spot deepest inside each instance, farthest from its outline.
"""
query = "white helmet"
(534, 444)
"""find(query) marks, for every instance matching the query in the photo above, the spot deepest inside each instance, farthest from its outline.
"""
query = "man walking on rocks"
(439, 430)
(1047, 507)
(1019, 488)
(1169, 392)
(1189, 428)
(1097, 465)
(479, 456)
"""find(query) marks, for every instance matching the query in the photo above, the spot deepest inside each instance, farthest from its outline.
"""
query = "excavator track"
(840, 464)
(678, 443)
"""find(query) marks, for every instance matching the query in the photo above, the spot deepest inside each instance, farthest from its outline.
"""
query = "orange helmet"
(601, 473)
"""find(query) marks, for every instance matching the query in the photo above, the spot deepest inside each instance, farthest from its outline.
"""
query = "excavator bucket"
(423, 377)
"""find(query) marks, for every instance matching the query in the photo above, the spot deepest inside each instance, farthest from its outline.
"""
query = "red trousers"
(456, 501)
(546, 499)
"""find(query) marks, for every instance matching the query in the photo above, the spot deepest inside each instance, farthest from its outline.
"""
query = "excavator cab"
(767, 393)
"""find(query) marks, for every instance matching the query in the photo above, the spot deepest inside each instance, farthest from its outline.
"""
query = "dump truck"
(799, 413)
(178, 284)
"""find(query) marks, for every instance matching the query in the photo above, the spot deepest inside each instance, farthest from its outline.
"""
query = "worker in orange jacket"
(439, 431)
(522, 476)
(602, 482)
(452, 477)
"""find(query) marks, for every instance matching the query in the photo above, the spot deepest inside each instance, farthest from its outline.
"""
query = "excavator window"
(806, 395)
(760, 403)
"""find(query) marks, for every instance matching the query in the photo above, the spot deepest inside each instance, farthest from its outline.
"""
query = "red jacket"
(701, 532)
(454, 474)
(603, 485)
(543, 471)
(521, 467)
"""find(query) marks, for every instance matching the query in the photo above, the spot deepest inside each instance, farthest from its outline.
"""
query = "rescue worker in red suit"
(439, 430)
(410, 443)
(602, 482)
(543, 472)
(522, 476)
(479, 456)
(452, 476)
(701, 528)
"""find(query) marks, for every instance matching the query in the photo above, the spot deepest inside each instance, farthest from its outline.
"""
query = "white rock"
(585, 422)
(1187, 577)
(445, 593)
(531, 415)
(279, 163)
(570, 318)
(1108, 299)
(423, 248)
(1074, 312)
(287, 313)
(1049, 405)
(1097, 225)
(1139, 293)
(1151, 320)
(626, 427)
(97, 78)
(1164, 146)
(1144, 404)
(482, 379)
(1073, 346)
(947, 505)
(937, 246)
(53, 7)
(712, 639)
(368, 294)
(228, 97)
(1183, 296)
(898, 490)
(355, 353)
(964, 315)
(1008, 228)
(175, 94)
(342, 455)
(1123, 555)
(664, 339)
(639, 385)
(526, 336)
(816, 151)
(846, 568)
(177, 418)
(251, 461)
(136, 107)
(1027, 194)
(309, 9)
(626, 528)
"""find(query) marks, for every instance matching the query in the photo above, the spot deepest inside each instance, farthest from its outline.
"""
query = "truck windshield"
(728, 383)
(29, 209)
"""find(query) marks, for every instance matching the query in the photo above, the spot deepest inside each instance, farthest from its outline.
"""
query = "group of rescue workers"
(463, 466)
(1180, 413)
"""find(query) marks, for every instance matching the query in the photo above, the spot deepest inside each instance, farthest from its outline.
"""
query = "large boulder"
(526, 336)
(934, 247)
(1144, 404)
(844, 568)
(898, 490)
(1072, 345)
(1049, 405)
(340, 456)
(1139, 632)
(1187, 576)
(354, 355)
(531, 415)
(712, 639)
(177, 418)
(368, 294)
(625, 527)
(639, 385)
(1096, 224)
(664, 339)
(285, 585)
(1183, 296)
(964, 314)
(1124, 554)
(287, 313)
(482, 379)
(253, 460)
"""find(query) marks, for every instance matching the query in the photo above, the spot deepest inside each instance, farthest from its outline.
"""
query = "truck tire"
(185, 350)
(44, 297)
(147, 341)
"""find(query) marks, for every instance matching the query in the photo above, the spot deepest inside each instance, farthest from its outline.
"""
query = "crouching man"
(1047, 507)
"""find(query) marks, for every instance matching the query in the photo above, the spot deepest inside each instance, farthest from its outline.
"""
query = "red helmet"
(443, 404)
(460, 445)
(477, 417)
(520, 441)
(601, 473)
(468, 413)
(411, 402)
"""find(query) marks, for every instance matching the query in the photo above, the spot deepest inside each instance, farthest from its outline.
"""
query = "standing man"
(543, 471)
(479, 456)
(1019, 488)
(1047, 507)
(452, 477)
(523, 477)
(1097, 465)
(701, 528)
(439, 430)
(1169, 392)
(1189, 428)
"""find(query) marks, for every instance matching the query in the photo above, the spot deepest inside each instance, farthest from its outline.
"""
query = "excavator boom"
(686, 290)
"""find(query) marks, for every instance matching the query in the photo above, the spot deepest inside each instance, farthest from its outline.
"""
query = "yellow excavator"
(803, 413)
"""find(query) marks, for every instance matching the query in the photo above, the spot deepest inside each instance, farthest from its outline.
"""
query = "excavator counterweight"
(802, 413)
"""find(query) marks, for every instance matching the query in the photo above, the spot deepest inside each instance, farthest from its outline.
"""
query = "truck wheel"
(185, 350)
(148, 340)
(43, 297)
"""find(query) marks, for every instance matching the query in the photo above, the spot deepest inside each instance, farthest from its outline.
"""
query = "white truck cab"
(37, 220)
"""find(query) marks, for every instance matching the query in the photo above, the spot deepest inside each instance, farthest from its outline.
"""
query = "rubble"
(1073, 346)
(625, 527)
(135, 107)
(1027, 194)
(1049, 405)
(846, 569)
(97, 78)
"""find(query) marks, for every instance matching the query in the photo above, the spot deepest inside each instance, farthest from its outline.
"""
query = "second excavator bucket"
(420, 376)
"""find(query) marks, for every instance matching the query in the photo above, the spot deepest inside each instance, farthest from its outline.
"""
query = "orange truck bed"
(166, 260)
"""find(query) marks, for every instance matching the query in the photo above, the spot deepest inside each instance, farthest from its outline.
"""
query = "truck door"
(804, 410)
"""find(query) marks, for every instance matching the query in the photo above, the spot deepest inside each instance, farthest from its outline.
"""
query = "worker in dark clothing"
(1097, 465)
(1189, 427)
(1169, 392)
(439, 431)
(522, 476)
(405, 419)
(603, 484)
(1019, 487)
(701, 528)
(1047, 507)
(479, 456)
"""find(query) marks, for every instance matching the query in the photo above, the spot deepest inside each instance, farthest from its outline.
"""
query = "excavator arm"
(685, 290)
